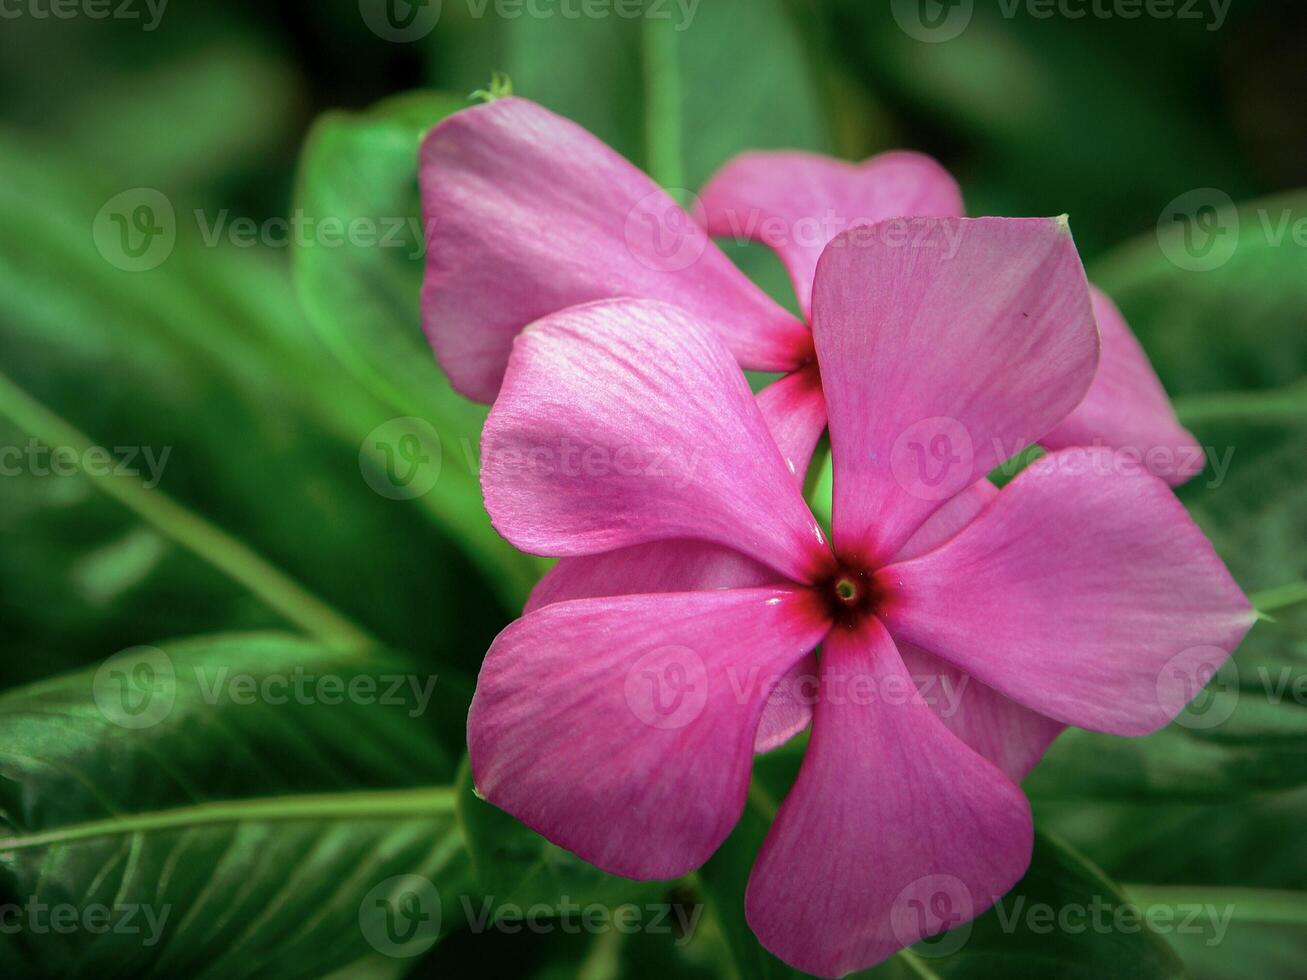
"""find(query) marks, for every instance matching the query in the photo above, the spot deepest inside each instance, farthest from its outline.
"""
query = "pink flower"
(619, 716)
(531, 214)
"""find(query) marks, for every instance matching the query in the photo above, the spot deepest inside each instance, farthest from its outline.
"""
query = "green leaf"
(359, 171)
(245, 799)
(259, 489)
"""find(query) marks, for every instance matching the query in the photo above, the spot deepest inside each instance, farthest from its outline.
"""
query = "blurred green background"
(264, 369)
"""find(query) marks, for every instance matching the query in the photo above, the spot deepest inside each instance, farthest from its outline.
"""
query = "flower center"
(851, 592)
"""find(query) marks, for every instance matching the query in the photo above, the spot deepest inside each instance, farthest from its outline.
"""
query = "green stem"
(1289, 402)
(662, 103)
(363, 805)
(1262, 905)
(1279, 597)
(210, 543)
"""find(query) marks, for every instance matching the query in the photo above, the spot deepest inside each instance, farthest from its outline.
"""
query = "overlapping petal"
(795, 410)
(797, 202)
(889, 811)
(625, 422)
(1083, 592)
(623, 728)
(1126, 407)
(945, 345)
(527, 213)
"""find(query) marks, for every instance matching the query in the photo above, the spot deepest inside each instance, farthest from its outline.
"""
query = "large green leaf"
(246, 799)
(263, 493)
(360, 172)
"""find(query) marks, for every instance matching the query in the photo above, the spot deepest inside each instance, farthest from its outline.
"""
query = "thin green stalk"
(210, 543)
(362, 805)
(662, 103)
(1262, 905)
(1286, 403)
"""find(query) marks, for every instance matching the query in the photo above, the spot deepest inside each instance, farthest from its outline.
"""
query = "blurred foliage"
(264, 370)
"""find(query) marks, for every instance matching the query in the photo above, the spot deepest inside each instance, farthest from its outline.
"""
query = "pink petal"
(797, 202)
(625, 422)
(952, 516)
(1126, 407)
(660, 566)
(527, 213)
(795, 410)
(622, 728)
(944, 349)
(1086, 594)
(789, 708)
(888, 811)
(1009, 735)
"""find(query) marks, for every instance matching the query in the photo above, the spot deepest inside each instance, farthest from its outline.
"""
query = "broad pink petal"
(1127, 408)
(795, 410)
(527, 213)
(622, 728)
(625, 422)
(1009, 735)
(889, 810)
(660, 566)
(1084, 593)
(797, 202)
(944, 349)
(952, 516)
